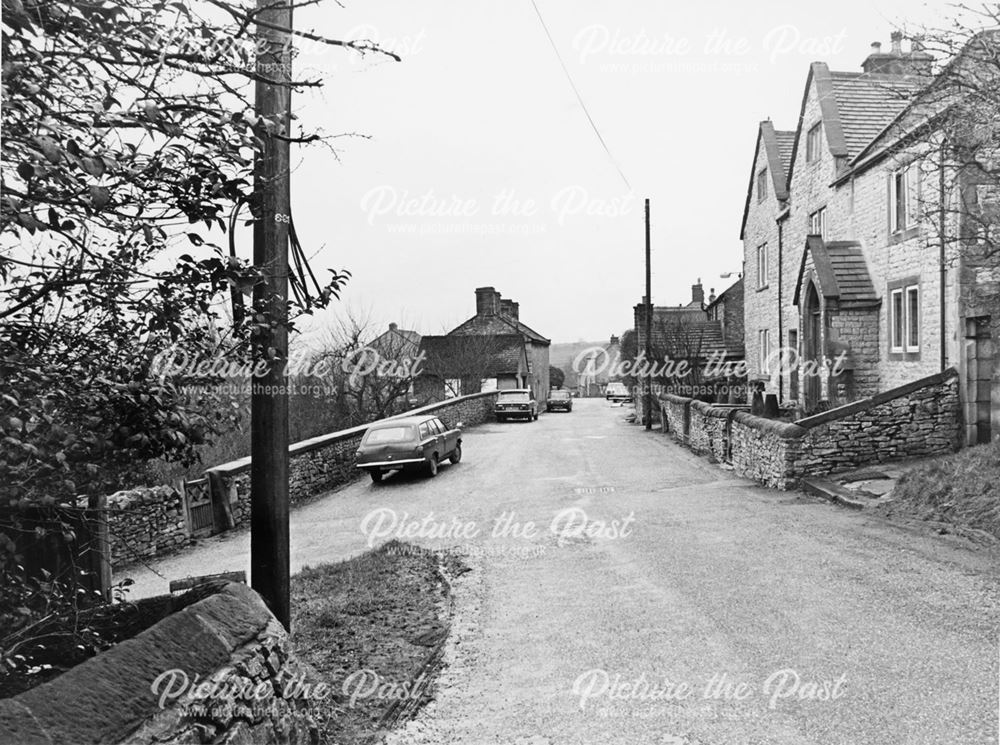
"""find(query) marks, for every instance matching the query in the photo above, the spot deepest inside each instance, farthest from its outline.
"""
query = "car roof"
(515, 390)
(404, 421)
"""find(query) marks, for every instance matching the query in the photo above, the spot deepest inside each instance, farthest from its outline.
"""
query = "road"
(695, 608)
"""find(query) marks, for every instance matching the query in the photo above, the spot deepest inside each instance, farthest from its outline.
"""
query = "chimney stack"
(896, 61)
(614, 340)
(509, 309)
(697, 293)
(487, 301)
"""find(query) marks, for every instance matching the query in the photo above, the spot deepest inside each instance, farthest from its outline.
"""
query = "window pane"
(900, 204)
(896, 310)
(912, 318)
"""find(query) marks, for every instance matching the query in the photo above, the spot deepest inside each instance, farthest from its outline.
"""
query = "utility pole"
(269, 553)
(647, 405)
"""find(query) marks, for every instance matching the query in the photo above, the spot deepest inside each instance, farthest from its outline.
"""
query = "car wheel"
(456, 455)
(376, 475)
(432, 466)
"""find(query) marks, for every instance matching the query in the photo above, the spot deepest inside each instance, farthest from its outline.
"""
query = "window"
(817, 223)
(763, 351)
(762, 269)
(762, 185)
(896, 322)
(793, 378)
(813, 142)
(912, 319)
(425, 431)
(904, 319)
(904, 185)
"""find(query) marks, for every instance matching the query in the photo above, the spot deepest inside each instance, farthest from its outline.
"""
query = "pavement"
(626, 591)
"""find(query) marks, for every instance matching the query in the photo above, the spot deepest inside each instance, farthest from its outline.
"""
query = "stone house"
(492, 346)
(848, 249)
(702, 335)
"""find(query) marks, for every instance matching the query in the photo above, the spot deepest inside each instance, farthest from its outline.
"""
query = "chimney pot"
(876, 47)
(897, 42)
(393, 327)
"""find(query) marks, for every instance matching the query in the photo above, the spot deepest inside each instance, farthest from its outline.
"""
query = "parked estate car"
(560, 400)
(412, 443)
(617, 392)
(515, 402)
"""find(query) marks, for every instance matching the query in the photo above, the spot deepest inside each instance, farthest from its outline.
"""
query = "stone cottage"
(493, 348)
(854, 251)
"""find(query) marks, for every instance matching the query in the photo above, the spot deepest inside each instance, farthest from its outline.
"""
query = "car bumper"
(391, 463)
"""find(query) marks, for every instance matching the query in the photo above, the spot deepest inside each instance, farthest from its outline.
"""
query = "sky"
(472, 163)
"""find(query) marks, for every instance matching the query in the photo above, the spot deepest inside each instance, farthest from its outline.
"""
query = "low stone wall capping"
(229, 637)
(920, 418)
(153, 521)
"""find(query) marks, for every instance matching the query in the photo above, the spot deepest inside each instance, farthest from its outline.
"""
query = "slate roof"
(867, 103)
(841, 270)
(691, 339)
(498, 324)
(786, 142)
(503, 354)
(778, 147)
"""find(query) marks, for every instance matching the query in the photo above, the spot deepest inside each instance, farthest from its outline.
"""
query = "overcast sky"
(478, 166)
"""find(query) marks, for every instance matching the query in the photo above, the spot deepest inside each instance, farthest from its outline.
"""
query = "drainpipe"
(781, 338)
(941, 228)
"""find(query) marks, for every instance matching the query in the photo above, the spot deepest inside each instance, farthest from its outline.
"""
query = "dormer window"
(762, 185)
(813, 142)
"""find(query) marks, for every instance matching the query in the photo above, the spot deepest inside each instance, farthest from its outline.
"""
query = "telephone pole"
(647, 386)
(269, 553)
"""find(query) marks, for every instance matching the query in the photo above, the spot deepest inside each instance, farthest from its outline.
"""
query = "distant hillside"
(562, 355)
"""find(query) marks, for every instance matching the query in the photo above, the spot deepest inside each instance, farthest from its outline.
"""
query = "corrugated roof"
(867, 103)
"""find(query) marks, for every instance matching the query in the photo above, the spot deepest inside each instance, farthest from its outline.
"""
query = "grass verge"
(371, 627)
(962, 490)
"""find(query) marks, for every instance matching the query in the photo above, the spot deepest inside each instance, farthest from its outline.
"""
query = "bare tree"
(460, 364)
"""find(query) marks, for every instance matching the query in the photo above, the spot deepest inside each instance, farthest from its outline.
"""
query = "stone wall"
(764, 450)
(918, 419)
(921, 418)
(229, 640)
(145, 522)
(326, 462)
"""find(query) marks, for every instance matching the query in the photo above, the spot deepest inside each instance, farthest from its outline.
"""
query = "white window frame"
(896, 340)
(763, 269)
(912, 325)
(819, 216)
(764, 351)
(903, 212)
(905, 320)
(814, 136)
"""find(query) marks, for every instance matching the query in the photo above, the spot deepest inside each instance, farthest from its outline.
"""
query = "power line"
(579, 97)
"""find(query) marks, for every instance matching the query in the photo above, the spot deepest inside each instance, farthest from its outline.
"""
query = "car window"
(440, 426)
(518, 397)
(389, 434)
(425, 431)
(559, 394)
